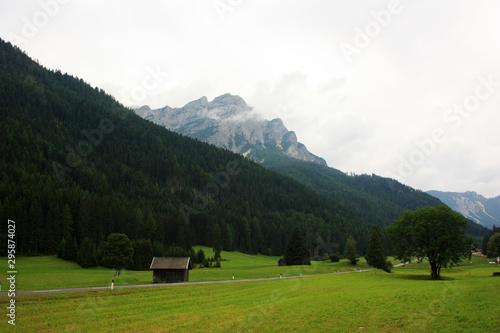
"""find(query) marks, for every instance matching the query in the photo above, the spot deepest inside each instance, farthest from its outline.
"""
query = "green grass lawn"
(49, 272)
(467, 300)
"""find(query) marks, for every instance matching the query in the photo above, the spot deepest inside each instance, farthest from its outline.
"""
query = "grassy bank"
(404, 301)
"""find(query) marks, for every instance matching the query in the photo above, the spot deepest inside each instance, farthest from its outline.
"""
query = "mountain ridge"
(228, 122)
(482, 210)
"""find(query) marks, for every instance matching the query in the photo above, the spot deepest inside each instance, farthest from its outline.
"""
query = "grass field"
(467, 300)
(38, 273)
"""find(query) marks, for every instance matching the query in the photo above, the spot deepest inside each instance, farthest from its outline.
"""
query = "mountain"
(228, 122)
(473, 206)
(78, 165)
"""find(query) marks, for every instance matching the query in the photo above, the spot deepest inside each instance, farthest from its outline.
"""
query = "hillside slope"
(75, 163)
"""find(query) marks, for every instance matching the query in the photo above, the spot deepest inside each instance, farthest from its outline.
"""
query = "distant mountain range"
(228, 122)
(473, 206)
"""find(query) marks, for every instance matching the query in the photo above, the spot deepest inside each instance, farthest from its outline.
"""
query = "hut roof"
(171, 263)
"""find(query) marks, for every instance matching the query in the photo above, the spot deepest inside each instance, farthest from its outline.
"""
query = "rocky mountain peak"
(228, 122)
(228, 99)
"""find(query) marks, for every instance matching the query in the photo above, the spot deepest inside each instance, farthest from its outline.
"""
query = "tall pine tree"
(296, 252)
(351, 251)
(217, 242)
(376, 255)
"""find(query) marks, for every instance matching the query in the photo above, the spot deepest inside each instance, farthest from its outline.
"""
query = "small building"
(170, 270)
(282, 262)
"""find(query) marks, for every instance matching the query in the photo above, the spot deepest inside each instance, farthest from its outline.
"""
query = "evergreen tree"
(143, 254)
(151, 226)
(71, 249)
(296, 252)
(351, 251)
(376, 255)
(86, 255)
(229, 237)
(217, 242)
(61, 249)
(66, 221)
(376, 252)
(200, 256)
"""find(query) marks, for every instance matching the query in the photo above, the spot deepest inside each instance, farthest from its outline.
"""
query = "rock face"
(473, 206)
(228, 122)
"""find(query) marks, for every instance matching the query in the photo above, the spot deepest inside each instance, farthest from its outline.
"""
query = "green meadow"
(49, 272)
(466, 300)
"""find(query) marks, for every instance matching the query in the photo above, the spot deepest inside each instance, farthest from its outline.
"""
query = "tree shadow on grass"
(422, 277)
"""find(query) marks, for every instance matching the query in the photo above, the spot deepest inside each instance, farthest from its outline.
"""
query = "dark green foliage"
(71, 249)
(376, 255)
(437, 233)
(351, 250)
(118, 252)
(86, 255)
(200, 256)
(494, 246)
(177, 251)
(486, 239)
(296, 252)
(217, 242)
(210, 263)
(334, 257)
(143, 254)
(158, 249)
(371, 197)
(61, 248)
(76, 163)
(388, 266)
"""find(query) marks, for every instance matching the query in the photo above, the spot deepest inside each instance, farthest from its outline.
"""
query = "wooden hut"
(282, 262)
(170, 270)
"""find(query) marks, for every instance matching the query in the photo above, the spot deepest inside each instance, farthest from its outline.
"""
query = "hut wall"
(170, 275)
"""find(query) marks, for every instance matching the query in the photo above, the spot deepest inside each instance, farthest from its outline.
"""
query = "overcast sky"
(403, 89)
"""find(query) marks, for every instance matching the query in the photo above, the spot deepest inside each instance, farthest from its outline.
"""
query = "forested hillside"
(76, 164)
(372, 198)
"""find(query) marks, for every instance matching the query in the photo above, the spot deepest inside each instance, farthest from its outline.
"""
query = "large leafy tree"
(494, 246)
(486, 240)
(296, 252)
(437, 233)
(118, 252)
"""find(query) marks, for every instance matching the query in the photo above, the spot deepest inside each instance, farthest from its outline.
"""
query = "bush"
(335, 257)
(388, 266)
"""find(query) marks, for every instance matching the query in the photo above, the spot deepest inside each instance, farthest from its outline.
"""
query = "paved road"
(69, 290)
